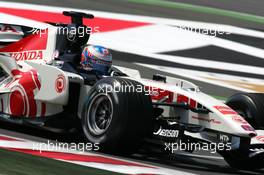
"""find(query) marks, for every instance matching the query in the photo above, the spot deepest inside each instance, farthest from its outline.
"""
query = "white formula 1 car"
(42, 85)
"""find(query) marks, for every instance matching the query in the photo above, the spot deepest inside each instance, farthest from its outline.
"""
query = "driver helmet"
(96, 58)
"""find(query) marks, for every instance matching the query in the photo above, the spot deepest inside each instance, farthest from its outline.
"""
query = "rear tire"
(128, 116)
(250, 106)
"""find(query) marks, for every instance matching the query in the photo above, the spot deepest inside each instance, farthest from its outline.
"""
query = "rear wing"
(37, 47)
(10, 33)
(14, 28)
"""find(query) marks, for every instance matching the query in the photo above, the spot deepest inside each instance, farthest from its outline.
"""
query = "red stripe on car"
(225, 110)
(182, 99)
(193, 104)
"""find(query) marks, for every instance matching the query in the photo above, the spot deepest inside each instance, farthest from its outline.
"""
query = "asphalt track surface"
(201, 162)
(245, 6)
(123, 6)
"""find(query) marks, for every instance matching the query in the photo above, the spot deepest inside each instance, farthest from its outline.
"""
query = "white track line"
(134, 168)
(140, 18)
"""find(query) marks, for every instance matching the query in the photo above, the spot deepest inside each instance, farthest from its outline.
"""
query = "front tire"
(117, 120)
(250, 106)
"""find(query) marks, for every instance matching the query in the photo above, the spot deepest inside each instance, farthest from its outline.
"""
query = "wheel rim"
(100, 114)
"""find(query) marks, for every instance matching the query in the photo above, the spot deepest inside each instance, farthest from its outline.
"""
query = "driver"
(97, 59)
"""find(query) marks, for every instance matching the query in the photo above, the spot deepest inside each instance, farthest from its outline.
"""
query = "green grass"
(14, 163)
(202, 9)
(219, 97)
